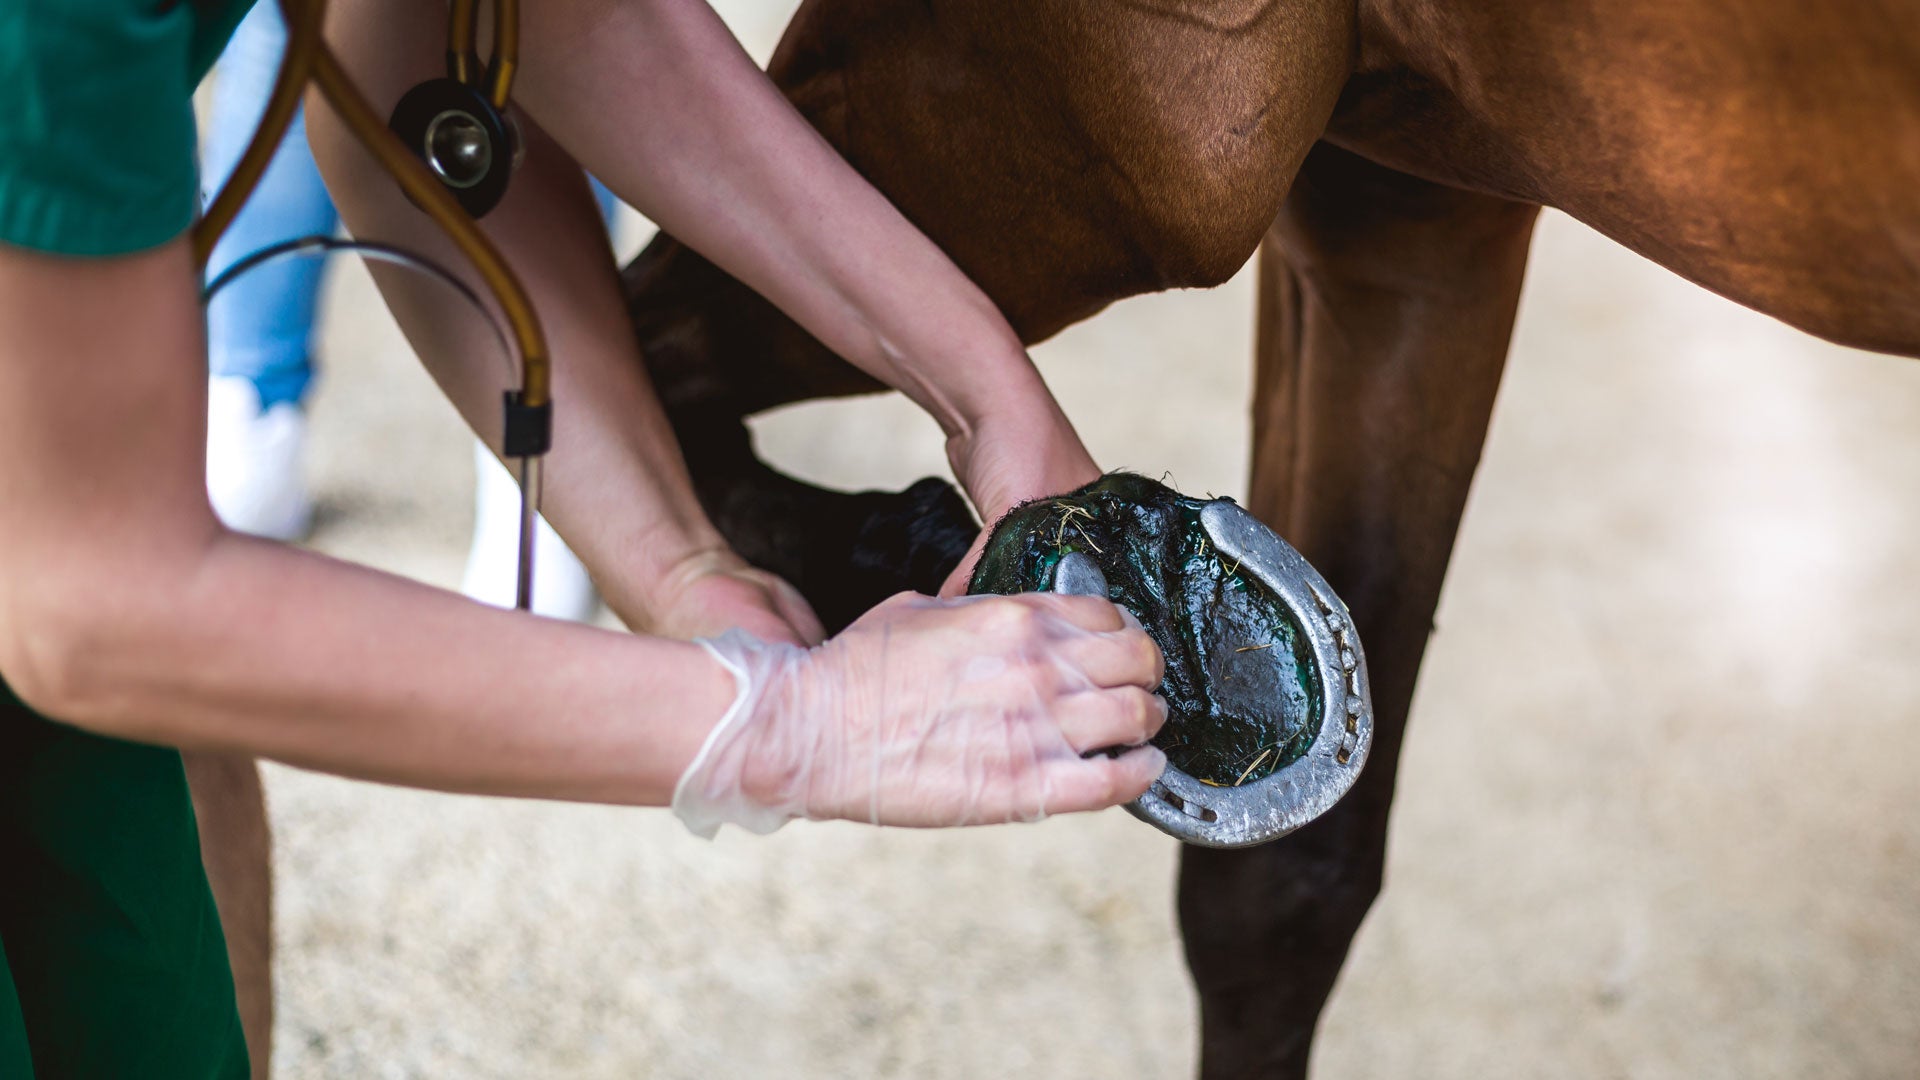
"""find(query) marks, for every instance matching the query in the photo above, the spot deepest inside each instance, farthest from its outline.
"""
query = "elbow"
(103, 637)
(45, 661)
(68, 662)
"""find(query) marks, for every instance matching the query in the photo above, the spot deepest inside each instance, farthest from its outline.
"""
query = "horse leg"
(1386, 304)
(717, 352)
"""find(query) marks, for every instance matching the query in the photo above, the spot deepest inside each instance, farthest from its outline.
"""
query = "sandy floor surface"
(1660, 813)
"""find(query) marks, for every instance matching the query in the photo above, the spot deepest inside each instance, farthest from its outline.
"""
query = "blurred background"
(1660, 814)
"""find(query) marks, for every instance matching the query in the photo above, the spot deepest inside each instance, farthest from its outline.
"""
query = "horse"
(1384, 161)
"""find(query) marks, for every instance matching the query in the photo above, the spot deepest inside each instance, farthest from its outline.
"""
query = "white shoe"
(561, 587)
(256, 475)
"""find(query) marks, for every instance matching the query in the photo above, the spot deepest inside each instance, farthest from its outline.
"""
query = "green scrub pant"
(112, 963)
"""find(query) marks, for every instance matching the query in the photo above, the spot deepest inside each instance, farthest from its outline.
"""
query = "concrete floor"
(1659, 812)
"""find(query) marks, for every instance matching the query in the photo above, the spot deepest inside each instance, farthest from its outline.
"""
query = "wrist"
(1017, 455)
(659, 565)
(721, 687)
(721, 694)
(742, 770)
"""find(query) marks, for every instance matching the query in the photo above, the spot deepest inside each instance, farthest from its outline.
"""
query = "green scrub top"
(96, 119)
(112, 962)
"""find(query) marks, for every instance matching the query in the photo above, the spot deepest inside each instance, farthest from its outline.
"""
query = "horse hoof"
(1270, 718)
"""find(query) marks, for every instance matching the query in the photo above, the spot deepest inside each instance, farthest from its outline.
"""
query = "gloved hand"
(931, 712)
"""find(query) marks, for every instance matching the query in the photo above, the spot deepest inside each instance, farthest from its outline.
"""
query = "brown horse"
(1387, 162)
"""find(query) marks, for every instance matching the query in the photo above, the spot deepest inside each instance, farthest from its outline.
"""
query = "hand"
(714, 590)
(1011, 460)
(933, 712)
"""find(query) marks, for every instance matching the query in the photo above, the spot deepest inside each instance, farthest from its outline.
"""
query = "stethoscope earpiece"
(469, 145)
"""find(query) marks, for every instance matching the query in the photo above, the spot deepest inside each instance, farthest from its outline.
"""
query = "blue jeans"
(261, 326)
(258, 327)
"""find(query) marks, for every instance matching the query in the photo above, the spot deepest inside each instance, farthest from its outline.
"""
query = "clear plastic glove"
(931, 712)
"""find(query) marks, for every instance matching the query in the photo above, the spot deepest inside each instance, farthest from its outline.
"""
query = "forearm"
(243, 645)
(733, 170)
(126, 609)
(616, 485)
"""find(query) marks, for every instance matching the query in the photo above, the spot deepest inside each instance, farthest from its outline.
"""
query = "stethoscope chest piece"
(470, 145)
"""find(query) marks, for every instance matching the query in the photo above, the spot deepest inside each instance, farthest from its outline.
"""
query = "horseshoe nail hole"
(1343, 756)
(1193, 810)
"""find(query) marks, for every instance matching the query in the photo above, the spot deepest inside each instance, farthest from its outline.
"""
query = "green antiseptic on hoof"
(1240, 680)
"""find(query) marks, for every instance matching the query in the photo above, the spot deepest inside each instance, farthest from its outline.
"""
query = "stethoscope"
(451, 146)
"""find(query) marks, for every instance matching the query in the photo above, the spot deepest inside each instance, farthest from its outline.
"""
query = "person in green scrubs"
(132, 623)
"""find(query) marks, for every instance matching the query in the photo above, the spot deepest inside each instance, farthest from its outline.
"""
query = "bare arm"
(657, 99)
(125, 608)
(616, 485)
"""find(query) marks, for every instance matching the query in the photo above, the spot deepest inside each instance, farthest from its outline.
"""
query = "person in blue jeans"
(260, 346)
